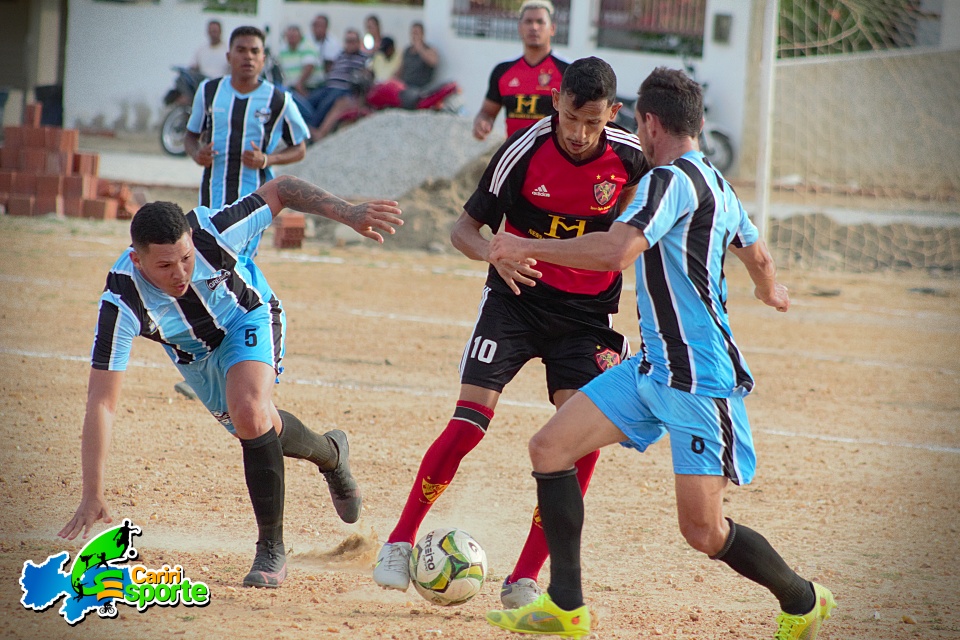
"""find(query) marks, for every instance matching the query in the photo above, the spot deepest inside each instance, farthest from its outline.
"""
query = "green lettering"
(199, 591)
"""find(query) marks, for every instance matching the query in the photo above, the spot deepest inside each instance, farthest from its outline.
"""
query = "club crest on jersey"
(263, 115)
(544, 78)
(217, 280)
(607, 359)
(604, 191)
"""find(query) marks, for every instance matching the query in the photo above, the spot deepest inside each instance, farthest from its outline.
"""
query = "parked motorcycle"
(715, 143)
(179, 99)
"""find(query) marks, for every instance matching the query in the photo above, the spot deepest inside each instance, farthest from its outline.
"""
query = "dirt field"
(855, 417)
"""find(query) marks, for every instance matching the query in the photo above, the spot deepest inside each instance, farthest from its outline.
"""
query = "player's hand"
(253, 158)
(779, 298)
(205, 155)
(367, 217)
(507, 255)
(482, 127)
(90, 511)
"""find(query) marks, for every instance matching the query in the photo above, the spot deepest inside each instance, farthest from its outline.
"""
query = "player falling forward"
(566, 176)
(185, 284)
(689, 379)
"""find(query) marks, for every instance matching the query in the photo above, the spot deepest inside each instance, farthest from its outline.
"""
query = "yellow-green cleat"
(790, 627)
(542, 616)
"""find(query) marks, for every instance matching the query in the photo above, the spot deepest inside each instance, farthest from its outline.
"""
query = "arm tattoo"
(300, 195)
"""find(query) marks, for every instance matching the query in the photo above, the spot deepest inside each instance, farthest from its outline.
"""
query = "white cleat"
(392, 570)
(514, 595)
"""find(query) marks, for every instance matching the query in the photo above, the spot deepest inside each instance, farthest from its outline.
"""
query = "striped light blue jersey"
(689, 214)
(232, 121)
(225, 286)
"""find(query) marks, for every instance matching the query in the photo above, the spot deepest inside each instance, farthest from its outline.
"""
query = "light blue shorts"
(259, 337)
(708, 436)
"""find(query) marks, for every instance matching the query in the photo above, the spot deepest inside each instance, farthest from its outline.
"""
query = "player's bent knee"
(705, 538)
(546, 456)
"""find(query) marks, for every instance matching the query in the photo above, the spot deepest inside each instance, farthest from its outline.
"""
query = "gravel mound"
(390, 152)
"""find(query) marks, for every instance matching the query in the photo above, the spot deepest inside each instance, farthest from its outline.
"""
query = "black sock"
(300, 442)
(263, 470)
(749, 554)
(561, 511)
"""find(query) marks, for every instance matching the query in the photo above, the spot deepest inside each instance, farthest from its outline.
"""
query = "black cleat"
(269, 566)
(343, 488)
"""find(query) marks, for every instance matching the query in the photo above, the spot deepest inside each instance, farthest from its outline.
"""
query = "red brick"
(24, 184)
(60, 162)
(80, 186)
(20, 205)
(12, 137)
(100, 208)
(73, 206)
(86, 163)
(32, 114)
(34, 137)
(33, 160)
(10, 158)
(49, 185)
(4, 199)
(6, 180)
(69, 140)
(291, 220)
(48, 204)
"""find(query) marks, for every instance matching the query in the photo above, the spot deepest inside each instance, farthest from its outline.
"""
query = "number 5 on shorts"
(250, 336)
(483, 349)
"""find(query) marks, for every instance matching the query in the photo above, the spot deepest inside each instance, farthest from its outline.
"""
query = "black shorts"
(575, 348)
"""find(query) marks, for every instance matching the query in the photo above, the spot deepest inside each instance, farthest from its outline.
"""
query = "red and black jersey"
(544, 193)
(523, 89)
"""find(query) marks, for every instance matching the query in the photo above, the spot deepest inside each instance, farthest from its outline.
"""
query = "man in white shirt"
(211, 59)
(327, 46)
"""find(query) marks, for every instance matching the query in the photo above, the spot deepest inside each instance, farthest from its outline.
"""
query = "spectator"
(210, 60)
(349, 75)
(385, 62)
(410, 81)
(372, 37)
(327, 46)
(298, 60)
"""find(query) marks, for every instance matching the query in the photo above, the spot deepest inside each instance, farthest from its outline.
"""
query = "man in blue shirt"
(689, 378)
(186, 284)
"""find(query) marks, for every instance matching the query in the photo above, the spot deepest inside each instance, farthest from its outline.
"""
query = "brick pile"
(289, 229)
(42, 171)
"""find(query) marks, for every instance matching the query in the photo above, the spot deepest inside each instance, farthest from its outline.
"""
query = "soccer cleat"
(514, 595)
(790, 627)
(269, 566)
(392, 570)
(184, 389)
(343, 488)
(542, 616)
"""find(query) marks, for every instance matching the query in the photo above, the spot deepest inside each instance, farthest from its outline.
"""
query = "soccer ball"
(447, 566)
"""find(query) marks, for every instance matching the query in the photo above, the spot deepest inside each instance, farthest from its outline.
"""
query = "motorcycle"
(715, 143)
(179, 99)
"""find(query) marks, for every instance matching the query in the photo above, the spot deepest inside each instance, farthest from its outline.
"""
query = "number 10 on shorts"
(483, 349)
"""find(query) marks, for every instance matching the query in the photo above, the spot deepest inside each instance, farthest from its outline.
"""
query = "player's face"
(168, 267)
(580, 129)
(246, 58)
(536, 28)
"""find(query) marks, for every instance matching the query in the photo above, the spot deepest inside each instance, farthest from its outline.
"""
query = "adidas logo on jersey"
(541, 191)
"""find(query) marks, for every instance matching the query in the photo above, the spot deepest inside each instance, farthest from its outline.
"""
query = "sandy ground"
(855, 417)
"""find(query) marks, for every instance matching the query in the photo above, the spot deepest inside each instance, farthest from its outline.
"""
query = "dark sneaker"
(343, 488)
(269, 566)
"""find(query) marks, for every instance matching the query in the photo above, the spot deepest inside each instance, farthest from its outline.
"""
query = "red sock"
(440, 464)
(535, 551)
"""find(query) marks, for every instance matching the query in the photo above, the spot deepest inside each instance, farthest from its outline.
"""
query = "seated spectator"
(298, 60)
(327, 46)
(385, 62)
(412, 78)
(348, 78)
(372, 38)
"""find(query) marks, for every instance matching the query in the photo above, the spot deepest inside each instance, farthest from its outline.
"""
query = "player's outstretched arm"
(612, 250)
(763, 272)
(103, 393)
(364, 218)
(467, 239)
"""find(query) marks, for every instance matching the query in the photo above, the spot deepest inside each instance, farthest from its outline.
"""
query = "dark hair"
(247, 31)
(416, 24)
(675, 98)
(216, 22)
(589, 79)
(386, 43)
(375, 19)
(158, 223)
